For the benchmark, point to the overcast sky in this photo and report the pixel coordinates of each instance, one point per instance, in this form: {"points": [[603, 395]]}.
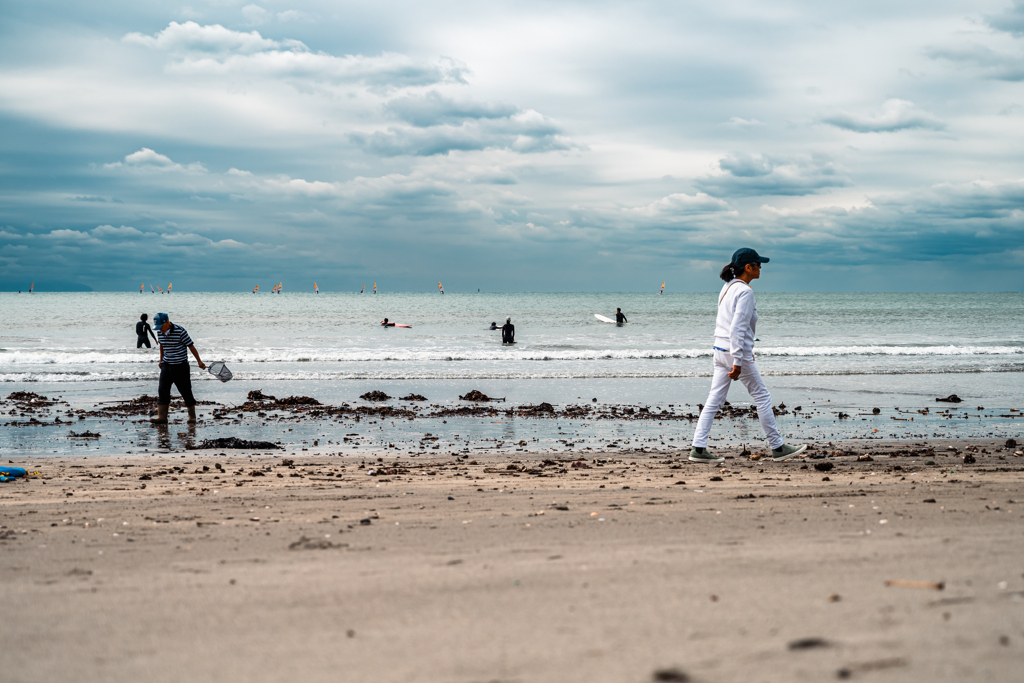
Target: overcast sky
{"points": [[511, 146]]}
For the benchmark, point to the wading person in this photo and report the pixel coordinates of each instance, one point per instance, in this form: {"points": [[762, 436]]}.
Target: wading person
{"points": [[143, 331], [734, 358], [174, 368], [508, 332]]}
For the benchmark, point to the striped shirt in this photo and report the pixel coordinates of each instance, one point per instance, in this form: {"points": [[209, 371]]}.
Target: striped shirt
{"points": [[175, 343]]}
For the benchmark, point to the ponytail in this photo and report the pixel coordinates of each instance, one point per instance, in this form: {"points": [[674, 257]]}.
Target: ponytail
{"points": [[730, 272]]}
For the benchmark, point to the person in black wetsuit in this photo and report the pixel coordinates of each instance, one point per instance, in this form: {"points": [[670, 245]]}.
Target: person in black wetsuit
{"points": [[508, 332], [143, 331], [385, 323], [620, 317]]}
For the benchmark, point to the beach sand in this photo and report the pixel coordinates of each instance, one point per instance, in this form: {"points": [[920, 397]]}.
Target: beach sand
{"points": [[629, 567]]}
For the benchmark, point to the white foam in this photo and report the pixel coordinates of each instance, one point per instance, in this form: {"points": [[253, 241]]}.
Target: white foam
{"points": [[62, 357]]}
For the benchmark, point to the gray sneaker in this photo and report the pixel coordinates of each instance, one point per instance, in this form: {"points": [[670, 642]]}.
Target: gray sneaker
{"points": [[785, 452], [704, 455]]}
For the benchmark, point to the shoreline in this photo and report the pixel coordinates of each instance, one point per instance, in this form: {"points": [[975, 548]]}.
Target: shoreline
{"points": [[38, 426], [449, 570]]}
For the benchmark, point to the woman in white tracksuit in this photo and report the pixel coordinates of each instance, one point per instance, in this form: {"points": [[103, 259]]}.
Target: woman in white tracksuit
{"points": [[734, 358]]}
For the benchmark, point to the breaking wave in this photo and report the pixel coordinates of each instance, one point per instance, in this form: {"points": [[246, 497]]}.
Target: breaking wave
{"points": [[60, 357]]}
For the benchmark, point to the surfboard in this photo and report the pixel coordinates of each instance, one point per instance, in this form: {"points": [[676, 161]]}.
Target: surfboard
{"points": [[604, 319], [391, 324]]}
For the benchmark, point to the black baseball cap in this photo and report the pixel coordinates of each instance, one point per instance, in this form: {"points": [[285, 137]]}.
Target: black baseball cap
{"points": [[746, 255]]}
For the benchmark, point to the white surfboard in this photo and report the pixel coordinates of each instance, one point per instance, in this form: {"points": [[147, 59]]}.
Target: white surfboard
{"points": [[604, 319]]}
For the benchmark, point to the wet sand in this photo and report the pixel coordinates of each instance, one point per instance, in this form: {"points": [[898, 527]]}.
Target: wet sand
{"points": [[628, 566]]}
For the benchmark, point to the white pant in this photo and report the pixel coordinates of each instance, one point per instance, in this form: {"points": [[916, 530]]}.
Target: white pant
{"points": [[751, 379]]}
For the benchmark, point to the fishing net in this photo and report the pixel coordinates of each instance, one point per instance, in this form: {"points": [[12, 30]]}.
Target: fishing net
{"points": [[219, 370]]}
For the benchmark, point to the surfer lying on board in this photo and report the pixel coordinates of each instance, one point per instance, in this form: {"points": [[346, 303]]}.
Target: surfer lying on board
{"points": [[620, 317], [385, 323], [508, 332]]}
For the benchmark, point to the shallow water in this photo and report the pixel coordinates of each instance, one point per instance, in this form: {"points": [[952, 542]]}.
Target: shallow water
{"points": [[845, 352]]}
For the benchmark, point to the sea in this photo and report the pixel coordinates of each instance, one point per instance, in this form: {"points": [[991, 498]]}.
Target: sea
{"points": [[843, 353]]}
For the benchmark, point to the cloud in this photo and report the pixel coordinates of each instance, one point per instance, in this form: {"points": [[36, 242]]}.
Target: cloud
{"points": [[745, 175], [524, 132], [681, 205], [191, 37], [295, 15], [255, 15], [958, 202], [1011, 21], [66, 235], [214, 50], [943, 222], [124, 232], [147, 159], [433, 108], [742, 123], [896, 115], [998, 65], [359, 193]]}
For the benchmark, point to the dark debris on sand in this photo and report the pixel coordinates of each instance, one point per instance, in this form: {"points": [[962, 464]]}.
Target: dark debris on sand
{"points": [[143, 405], [258, 395], [234, 442], [30, 398], [375, 396], [478, 396]]}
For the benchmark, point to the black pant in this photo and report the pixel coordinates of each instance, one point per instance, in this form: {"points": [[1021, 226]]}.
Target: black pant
{"points": [[141, 341], [178, 375]]}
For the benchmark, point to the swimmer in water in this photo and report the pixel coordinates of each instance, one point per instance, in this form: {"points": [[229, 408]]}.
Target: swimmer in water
{"points": [[386, 323], [494, 326]]}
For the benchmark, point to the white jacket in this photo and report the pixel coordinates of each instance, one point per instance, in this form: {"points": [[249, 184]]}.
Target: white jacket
{"points": [[736, 325]]}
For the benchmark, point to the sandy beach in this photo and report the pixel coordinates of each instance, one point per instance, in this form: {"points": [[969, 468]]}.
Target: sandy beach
{"points": [[622, 566]]}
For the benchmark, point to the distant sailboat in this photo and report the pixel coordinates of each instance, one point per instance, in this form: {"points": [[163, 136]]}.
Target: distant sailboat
{"points": [[169, 287], [142, 288], [160, 288], [374, 287], [364, 289], [255, 289], [316, 290], [151, 289], [440, 287], [662, 290], [31, 287], [280, 286]]}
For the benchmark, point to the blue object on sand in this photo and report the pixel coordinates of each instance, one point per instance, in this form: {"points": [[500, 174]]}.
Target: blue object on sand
{"points": [[11, 473]]}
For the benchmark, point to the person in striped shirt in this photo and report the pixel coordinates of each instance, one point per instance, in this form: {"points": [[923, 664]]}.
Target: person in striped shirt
{"points": [[174, 367]]}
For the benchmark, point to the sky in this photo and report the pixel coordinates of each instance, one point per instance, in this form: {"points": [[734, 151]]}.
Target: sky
{"points": [[511, 146]]}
